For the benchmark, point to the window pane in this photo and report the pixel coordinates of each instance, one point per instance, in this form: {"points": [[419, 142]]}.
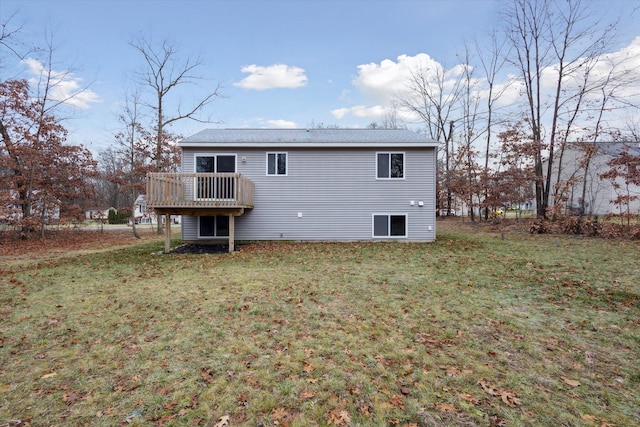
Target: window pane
{"points": [[207, 225], [380, 225], [397, 165], [398, 225], [383, 166], [205, 164], [226, 164], [222, 226], [271, 164], [282, 164]]}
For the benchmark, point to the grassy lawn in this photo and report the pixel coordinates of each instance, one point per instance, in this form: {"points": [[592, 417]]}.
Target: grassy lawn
{"points": [[470, 330]]}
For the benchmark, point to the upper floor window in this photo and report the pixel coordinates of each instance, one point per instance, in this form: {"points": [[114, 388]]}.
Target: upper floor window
{"points": [[390, 165], [276, 163]]}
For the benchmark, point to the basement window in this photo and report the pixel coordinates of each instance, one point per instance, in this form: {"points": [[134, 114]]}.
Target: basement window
{"points": [[386, 225]]}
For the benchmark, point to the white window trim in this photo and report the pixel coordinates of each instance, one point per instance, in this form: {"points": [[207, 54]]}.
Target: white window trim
{"points": [[286, 163], [404, 165], [195, 168], [200, 236], [389, 215], [196, 155]]}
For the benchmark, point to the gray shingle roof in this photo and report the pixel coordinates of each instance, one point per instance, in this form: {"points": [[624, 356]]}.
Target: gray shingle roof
{"points": [[307, 138], [617, 148]]}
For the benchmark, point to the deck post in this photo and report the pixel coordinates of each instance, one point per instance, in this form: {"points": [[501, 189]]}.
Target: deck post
{"points": [[167, 233], [231, 233]]}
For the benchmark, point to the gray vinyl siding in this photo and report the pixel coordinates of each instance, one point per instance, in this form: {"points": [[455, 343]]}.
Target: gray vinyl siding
{"points": [[335, 191]]}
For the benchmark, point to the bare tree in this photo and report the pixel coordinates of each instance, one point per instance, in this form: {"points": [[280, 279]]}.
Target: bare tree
{"points": [[467, 155], [492, 60], [110, 183], [433, 95], [134, 150], [8, 38], [164, 74], [552, 42]]}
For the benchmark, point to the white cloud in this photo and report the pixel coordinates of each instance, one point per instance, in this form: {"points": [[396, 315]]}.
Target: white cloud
{"points": [[281, 124], [64, 86], [382, 82], [261, 122], [360, 111], [272, 77]]}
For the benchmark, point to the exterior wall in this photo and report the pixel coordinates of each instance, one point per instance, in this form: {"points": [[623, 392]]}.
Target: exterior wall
{"points": [[334, 190], [599, 191]]}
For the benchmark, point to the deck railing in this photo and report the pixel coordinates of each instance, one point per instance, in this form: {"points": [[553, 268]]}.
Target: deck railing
{"points": [[199, 190]]}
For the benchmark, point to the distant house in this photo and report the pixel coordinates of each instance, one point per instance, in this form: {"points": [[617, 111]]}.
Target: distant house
{"points": [[97, 214], [142, 213], [43, 207], [299, 184], [599, 191], [145, 215]]}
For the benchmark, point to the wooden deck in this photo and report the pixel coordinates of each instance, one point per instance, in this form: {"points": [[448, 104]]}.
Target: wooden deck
{"points": [[199, 194]]}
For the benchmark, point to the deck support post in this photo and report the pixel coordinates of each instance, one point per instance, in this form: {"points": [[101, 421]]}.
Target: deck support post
{"points": [[167, 233], [232, 220]]}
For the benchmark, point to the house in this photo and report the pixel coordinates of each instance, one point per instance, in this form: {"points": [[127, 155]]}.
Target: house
{"points": [[43, 207], [301, 185], [599, 192], [143, 214], [97, 214]]}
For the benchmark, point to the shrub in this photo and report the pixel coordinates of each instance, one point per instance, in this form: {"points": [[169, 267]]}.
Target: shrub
{"points": [[538, 227], [118, 217]]}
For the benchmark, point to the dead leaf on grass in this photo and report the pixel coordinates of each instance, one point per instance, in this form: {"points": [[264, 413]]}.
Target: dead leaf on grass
{"points": [[339, 417], [206, 374], [397, 401], [364, 408], [469, 397], [223, 421], [306, 395], [169, 406], [488, 388], [279, 414], [107, 411], [445, 407], [71, 398], [510, 398], [453, 371], [572, 383]]}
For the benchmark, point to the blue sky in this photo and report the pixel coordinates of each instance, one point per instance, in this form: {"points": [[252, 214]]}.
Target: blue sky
{"points": [[291, 63]]}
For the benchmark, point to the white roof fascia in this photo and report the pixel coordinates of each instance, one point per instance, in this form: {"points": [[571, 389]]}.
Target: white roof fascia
{"points": [[309, 144]]}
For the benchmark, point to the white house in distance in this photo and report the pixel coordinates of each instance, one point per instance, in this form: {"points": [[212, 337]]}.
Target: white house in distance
{"points": [[599, 191], [301, 185], [144, 215]]}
